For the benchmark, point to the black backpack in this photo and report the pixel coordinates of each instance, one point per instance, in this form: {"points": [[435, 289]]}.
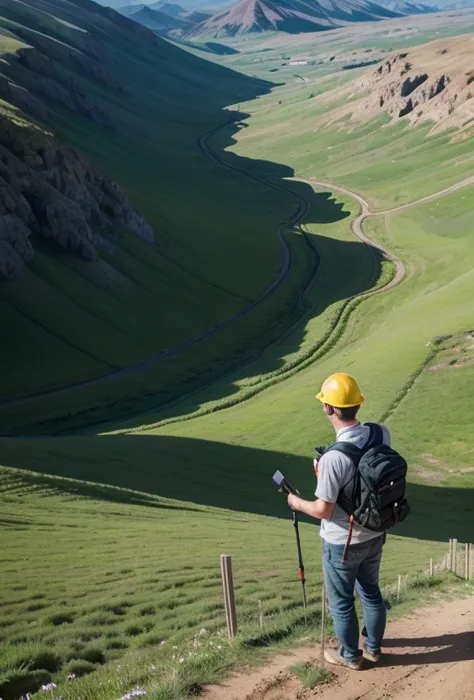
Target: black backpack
{"points": [[375, 496]]}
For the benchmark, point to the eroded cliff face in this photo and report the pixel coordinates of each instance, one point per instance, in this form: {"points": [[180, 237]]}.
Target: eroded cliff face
{"points": [[48, 189], [429, 83]]}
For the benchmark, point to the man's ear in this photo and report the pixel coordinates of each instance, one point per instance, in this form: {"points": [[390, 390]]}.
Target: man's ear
{"points": [[329, 410]]}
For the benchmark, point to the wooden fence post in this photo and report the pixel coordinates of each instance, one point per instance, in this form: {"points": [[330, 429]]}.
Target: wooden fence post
{"points": [[323, 621], [260, 613], [399, 587], [450, 555], [431, 567], [454, 565], [229, 597], [466, 561]]}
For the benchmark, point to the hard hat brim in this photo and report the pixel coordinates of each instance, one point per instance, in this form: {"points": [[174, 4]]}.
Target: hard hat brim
{"points": [[320, 396]]}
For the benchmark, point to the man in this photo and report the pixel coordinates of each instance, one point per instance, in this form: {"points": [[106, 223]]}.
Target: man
{"points": [[348, 560]]}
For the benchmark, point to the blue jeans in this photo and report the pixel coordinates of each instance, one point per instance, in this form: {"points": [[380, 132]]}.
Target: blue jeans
{"points": [[361, 570]]}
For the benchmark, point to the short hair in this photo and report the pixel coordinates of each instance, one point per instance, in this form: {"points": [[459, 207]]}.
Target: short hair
{"points": [[346, 414]]}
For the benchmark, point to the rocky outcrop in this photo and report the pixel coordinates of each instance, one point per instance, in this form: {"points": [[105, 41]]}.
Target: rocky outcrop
{"points": [[429, 83], [410, 84], [91, 58], [22, 98], [48, 189], [52, 70], [407, 108], [48, 79], [15, 246], [438, 86]]}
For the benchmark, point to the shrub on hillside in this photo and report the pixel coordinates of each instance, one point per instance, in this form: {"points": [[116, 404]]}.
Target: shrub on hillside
{"points": [[94, 655], [79, 667], [15, 684]]}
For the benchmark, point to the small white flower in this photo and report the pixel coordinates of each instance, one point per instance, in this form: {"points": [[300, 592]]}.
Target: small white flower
{"points": [[135, 693], [153, 668], [219, 646], [163, 642], [181, 659]]}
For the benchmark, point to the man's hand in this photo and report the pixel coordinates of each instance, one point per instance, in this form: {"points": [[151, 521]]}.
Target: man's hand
{"points": [[293, 501]]}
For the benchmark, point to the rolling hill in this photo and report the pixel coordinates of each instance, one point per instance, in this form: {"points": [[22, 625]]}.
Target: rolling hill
{"points": [[108, 268], [291, 16], [206, 337]]}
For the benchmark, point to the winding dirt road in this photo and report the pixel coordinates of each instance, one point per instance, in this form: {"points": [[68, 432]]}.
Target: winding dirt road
{"points": [[428, 655], [294, 220], [365, 213]]}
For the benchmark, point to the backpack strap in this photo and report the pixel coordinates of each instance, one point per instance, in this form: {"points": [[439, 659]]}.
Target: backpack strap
{"points": [[345, 499], [347, 448], [375, 437]]}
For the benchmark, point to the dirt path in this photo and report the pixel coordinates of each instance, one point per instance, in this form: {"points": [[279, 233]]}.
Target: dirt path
{"points": [[365, 213], [299, 216], [428, 655]]}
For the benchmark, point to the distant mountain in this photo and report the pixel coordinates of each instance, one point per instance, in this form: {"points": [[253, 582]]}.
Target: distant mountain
{"points": [[442, 5], [292, 16], [195, 16], [207, 6], [128, 10], [117, 4], [157, 21], [404, 7], [168, 8]]}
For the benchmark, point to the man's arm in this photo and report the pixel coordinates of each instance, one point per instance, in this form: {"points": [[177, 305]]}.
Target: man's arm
{"points": [[331, 477], [316, 509]]}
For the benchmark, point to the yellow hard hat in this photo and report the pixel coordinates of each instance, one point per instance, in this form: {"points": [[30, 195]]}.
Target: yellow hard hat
{"points": [[341, 391]]}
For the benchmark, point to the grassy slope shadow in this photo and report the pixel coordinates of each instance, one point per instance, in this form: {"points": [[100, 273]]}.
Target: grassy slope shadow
{"points": [[358, 267], [214, 474], [195, 358]]}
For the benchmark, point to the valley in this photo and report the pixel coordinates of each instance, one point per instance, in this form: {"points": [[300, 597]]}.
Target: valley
{"points": [[161, 359]]}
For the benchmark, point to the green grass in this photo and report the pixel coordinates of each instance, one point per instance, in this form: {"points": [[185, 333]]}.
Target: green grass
{"points": [[137, 300], [10, 44], [433, 300], [392, 165], [89, 587], [111, 542], [310, 674]]}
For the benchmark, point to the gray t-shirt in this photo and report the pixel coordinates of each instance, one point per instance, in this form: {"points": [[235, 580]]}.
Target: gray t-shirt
{"points": [[334, 471]]}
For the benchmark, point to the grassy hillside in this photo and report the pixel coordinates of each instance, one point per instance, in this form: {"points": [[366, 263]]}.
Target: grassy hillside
{"points": [[111, 537], [67, 321], [91, 590], [112, 564], [391, 163], [387, 342]]}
